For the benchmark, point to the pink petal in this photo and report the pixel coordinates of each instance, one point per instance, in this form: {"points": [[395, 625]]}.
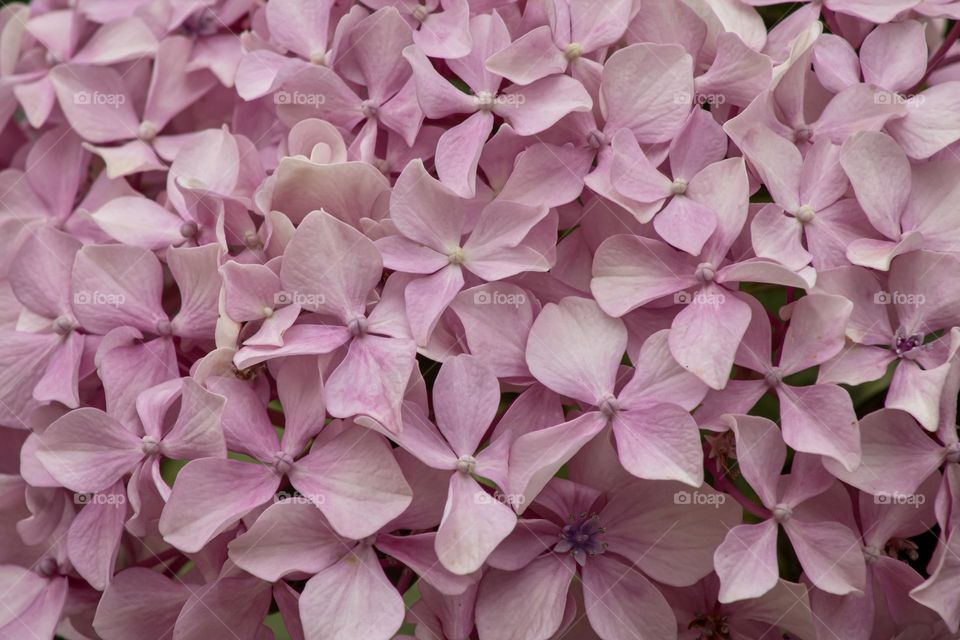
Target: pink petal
{"points": [[473, 525], [209, 496], [87, 450], [575, 349], [351, 599], [747, 561], [354, 480]]}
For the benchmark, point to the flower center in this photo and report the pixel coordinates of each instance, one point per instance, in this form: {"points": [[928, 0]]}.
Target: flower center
{"points": [[252, 241], [953, 453], [189, 229], [609, 406], [573, 51], [485, 101], [63, 325], [456, 256], [782, 513], [773, 377], [466, 464], [147, 131], [582, 538], [805, 214], [164, 328], [711, 626], [802, 135], [318, 58], [420, 12], [369, 109], [149, 445], [902, 549], [358, 326], [282, 462], [705, 272], [48, 567], [679, 187], [903, 344], [596, 139]]}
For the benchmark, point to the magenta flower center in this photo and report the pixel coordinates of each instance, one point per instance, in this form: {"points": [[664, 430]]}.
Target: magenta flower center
{"points": [[805, 214], [904, 344], [679, 187], [711, 626], [582, 538]]}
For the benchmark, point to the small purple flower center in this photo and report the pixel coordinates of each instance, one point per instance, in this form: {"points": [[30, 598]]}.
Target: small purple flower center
{"points": [[582, 538], [902, 549], [903, 344], [679, 187], [711, 626], [573, 51]]}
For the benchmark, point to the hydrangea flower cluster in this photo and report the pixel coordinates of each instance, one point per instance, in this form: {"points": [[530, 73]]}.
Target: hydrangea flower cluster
{"points": [[479, 320]]}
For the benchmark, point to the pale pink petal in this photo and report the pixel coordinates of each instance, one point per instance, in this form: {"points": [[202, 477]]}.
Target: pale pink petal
{"points": [[473, 525], [351, 599]]}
